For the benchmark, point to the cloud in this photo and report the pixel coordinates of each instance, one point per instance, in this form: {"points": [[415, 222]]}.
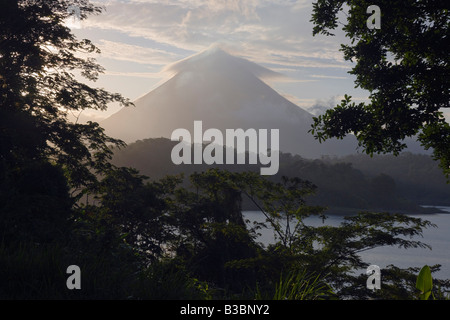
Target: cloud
{"points": [[301, 102], [274, 32], [321, 106], [134, 53], [321, 76], [84, 116], [446, 114], [221, 58], [146, 75]]}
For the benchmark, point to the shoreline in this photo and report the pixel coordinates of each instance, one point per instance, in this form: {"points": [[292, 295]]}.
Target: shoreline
{"points": [[346, 211]]}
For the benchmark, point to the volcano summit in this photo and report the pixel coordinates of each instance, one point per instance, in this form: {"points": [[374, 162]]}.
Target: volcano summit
{"points": [[224, 92]]}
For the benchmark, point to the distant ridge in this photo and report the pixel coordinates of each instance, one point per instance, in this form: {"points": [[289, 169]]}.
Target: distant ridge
{"points": [[382, 183]]}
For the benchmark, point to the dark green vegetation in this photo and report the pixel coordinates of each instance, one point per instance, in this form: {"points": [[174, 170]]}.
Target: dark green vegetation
{"points": [[383, 182], [405, 67], [162, 241], [62, 201]]}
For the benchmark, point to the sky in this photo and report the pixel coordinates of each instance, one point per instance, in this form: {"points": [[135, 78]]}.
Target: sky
{"points": [[139, 39]]}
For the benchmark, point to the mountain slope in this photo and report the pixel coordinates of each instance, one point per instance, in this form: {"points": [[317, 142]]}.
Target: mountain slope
{"points": [[225, 92]]}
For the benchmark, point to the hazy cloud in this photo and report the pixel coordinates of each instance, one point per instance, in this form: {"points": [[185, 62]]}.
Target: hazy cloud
{"points": [[321, 106], [274, 32], [322, 76], [134, 53]]}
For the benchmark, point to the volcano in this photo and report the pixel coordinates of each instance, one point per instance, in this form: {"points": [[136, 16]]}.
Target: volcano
{"points": [[224, 92]]}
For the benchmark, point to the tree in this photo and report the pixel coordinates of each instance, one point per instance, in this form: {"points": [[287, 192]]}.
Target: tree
{"points": [[135, 209], [212, 236], [46, 161], [283, 205], [35, 204], [39, 56], [337, 248], [405, 67]]}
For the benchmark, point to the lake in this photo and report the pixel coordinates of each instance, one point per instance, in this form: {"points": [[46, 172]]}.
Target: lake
{"points": [[438, 238]]}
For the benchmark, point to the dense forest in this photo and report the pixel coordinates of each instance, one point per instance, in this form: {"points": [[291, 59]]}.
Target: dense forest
{"points": [[159, 240], [381, 182], [417, 176]]}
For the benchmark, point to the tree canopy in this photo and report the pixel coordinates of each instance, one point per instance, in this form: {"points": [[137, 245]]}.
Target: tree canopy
{"points": [[39, 60], [405, 67]]}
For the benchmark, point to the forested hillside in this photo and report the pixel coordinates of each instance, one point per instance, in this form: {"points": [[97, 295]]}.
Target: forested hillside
{"points": [[358, 182], [417, 175]]}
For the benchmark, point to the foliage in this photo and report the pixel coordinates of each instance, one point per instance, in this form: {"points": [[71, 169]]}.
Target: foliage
{"points": [[35, 203], [211, 250], [427, 287], [212, 232], [333, 250], [169, 280], [300, 286], [38, 271], [47, 162], [340, 182], [405, 68], [137, 210], [416, 176], [396, 284], [38, 59], [424, 283]]}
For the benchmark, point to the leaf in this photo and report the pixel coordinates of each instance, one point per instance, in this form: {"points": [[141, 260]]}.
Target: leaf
{"points": [[424, 283]]}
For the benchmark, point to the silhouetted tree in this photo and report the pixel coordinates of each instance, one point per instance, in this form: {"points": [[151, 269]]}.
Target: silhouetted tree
{"points": [[46, 161], [38, 90], [405, 67]]}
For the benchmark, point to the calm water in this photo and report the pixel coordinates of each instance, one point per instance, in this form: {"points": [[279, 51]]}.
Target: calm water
{"points": [[438, 238]]}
